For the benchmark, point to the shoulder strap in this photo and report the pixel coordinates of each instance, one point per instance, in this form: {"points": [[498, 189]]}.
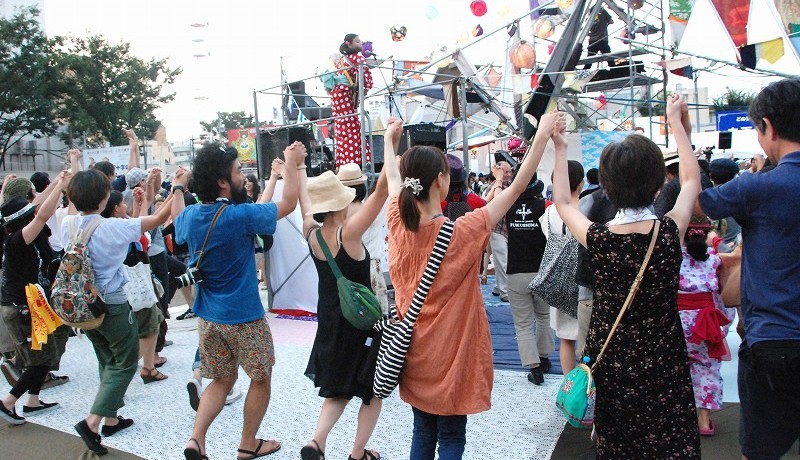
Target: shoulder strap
{"points": [[435, 259], [208, 234], [632, 293], [328, 257], [81, 235]]}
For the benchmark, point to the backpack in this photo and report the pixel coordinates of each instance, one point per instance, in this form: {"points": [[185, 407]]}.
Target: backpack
{"points": [[75, 297], [457, 208]]}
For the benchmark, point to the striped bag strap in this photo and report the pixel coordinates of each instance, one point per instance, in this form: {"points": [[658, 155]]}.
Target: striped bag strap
{"points": [[437, 254]]}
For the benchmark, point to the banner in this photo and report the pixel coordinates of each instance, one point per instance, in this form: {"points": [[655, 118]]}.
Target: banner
{"points": [[679, 12], [770, 51], [244, 141], [735, 15], [118, 156], [789, 12]]}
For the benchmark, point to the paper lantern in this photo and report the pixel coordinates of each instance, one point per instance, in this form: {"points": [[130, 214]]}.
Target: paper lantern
{"points": [[635, 4], [566, 4], [522, 55], [544, 27], [431, 12], [477, 31], [398, 33], [478, 7], [504, 10]]}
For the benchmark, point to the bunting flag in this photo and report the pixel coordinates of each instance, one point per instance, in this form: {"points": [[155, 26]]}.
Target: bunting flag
{"points": [[735, 15], [681, 67], [789, 12], [679, 12], [769, 51]]}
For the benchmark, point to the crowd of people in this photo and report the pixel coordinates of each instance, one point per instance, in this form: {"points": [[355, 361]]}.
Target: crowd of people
{"points": [[208, 229]]}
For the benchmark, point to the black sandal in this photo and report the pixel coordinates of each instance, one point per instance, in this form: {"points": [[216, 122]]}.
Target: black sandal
{"points": [[368, 455], [194, 454], [310, 452]]}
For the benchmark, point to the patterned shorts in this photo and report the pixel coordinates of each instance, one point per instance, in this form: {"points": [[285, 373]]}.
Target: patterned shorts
{"points": [[223, 347]]}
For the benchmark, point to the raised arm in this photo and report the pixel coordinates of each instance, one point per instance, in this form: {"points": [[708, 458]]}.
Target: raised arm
{"points": [[179, 182], [689, 170], [42, 197], [502, 201], [140, 206], [269, 185], [74, 156], [305, 203], [391, 141], [357, 224], [133, 143], [161, 216], [578, 223], [295, 155], [30, 231], [153, 183]]}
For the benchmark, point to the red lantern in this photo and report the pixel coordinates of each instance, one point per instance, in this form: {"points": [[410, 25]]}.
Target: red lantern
{"points": [[522, 55], [478, 7]]}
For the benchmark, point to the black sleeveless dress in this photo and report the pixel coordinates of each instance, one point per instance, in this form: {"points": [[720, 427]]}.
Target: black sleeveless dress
{"points": [[342, 361], [645, 402]]}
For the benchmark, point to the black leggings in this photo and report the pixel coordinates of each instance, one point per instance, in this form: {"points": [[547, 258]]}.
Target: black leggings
{"points": [[30, 381]]}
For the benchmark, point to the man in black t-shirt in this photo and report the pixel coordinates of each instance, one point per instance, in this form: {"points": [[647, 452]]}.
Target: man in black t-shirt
{"points": [[526, 244], [598, 35]]}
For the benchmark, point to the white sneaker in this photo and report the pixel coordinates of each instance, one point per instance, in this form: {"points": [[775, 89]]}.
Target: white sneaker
{"points": [[233, 396], [195, 389]]}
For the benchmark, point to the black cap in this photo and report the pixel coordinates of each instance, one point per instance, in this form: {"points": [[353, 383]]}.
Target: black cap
{"points": [[723, 166], [16, 208]]}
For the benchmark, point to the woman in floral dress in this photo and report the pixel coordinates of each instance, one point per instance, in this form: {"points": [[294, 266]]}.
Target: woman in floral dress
{"points": [[344, 101]]}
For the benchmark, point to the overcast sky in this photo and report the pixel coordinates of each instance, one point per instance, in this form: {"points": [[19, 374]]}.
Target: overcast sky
{"points": [[244, 42]]}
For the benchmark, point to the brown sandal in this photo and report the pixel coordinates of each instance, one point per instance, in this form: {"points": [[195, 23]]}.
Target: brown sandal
{"points": [[153, 375]]}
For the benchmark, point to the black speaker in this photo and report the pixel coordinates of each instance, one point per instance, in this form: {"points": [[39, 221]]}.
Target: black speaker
{"points": [[423, 134], [725, 140], [272, 143]]}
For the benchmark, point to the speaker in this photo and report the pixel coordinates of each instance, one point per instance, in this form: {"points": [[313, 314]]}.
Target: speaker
{"points": [[423, 134], [272, 143], [725, 140]]}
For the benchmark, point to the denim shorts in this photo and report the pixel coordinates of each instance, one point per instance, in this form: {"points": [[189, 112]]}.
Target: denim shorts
{"points": [[769, 378]]}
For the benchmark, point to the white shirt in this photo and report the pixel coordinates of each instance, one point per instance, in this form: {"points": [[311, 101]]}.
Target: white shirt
{"points": [[54, 222]]}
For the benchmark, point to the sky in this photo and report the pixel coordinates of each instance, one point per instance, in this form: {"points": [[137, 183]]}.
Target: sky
{"points": [[243, 44]]}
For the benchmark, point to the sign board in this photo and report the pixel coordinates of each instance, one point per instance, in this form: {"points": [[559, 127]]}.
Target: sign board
{"points": [[118, 156], [727, 121]]}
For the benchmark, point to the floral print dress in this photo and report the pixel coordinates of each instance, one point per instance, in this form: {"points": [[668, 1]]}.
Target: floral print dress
{"points": [[347, 130], [701, 276], [645, 405]]}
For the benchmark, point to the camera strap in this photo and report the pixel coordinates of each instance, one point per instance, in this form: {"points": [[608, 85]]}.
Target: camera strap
{"points": [[208, 235]]}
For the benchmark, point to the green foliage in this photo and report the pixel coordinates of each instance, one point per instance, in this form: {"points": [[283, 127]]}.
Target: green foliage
{"points": [[653, 108], [28, 80], [733, 99], [107, 89], [227, 120]]}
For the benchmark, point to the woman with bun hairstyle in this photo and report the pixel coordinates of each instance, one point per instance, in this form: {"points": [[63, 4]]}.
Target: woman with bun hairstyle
{"points": [[344, 101], [448, 371]]}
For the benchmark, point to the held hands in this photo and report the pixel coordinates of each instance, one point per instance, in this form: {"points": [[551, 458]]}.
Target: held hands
{"points": [[394, 131], [181, 177], [678, 112], [138, 195], [757, 163], [551, 123], [278, 167], [295, 154], [74, 155], [131, 135], [8, 178], [63, 178]]}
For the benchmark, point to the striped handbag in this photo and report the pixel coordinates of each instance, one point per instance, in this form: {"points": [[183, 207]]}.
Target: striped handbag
{"points": [[396, 337]]}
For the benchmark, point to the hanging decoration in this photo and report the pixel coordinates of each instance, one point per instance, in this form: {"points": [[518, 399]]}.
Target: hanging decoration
{"points": [[522, 55], [477, 31], [601, 102], [534, 80], [679, 13], [636, 4], [544, 27], [478, 7], [398, 33], [504, 10], [734, 15], [431, 12]]}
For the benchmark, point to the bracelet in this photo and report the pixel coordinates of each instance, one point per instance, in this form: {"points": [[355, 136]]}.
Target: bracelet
{"points": [[301, 167], [178, 187]]}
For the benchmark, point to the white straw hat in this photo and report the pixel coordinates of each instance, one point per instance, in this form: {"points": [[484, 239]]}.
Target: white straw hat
{"points": [[350, 174], [328, 194]]}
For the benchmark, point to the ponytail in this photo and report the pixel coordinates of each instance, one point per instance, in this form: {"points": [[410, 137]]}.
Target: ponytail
{"points": [[423, 163], [409, 213]]}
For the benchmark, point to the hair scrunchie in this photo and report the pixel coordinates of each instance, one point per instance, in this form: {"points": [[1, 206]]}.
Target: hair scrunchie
{"points": [[413, 184]]}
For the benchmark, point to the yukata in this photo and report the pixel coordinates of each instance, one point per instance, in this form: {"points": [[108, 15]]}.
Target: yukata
{"points": [[347, 130], [705, 335]]}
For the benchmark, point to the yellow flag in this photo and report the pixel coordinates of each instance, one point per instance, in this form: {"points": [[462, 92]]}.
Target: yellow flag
{"points": [[43, 320]]}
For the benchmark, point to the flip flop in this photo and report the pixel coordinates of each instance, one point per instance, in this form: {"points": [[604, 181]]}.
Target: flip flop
{"points": [[194, 454], [310, 452], [710, 431], [254, 453]]}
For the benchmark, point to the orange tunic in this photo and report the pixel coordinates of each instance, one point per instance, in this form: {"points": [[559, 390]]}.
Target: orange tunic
{"points": [[448, 369]]}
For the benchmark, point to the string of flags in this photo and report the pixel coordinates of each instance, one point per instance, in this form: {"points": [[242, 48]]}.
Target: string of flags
{"points": [[770, 51]]}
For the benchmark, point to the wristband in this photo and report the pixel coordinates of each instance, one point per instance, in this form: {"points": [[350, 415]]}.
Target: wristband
{"points": [[178, 187]]}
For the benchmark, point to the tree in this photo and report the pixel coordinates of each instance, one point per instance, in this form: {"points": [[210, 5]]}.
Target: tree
{"points": [[28, 80], [733, 99], [108, 89], [226, 120]]}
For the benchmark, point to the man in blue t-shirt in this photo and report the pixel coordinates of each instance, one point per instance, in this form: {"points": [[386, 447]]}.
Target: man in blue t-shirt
{"points": [[767, 207], [233, 329]]}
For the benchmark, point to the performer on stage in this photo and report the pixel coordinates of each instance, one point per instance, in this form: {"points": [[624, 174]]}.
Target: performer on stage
{"points": [[344, 101]]}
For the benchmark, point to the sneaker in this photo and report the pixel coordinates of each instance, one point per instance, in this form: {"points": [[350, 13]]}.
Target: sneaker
{"points": [[504, 298], [495, 291], [168, 343], [90, 438], [42, 407], [10, 416], [10, 372], [53, 380], [123, 423], [233, 396], [536, 376], [188, 314], [545, 365], [195, 389]]}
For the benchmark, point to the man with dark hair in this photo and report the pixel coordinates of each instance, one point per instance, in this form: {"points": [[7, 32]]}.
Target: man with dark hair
{"points": [[40, 181], [106, 168], [233, 329], [768, 209], [593, 179]]}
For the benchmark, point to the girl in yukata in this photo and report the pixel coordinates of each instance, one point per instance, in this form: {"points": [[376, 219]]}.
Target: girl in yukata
{"points": [[344, 101], [704, 319]]}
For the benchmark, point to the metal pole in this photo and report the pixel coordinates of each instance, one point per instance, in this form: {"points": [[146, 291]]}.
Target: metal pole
{"points": [[258, 135], [465, 141], [696, 101], [362, 114], [191, 149]]}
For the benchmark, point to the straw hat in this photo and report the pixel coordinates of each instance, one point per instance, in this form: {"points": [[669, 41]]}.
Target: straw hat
{"points": [[350, 174], [16, 208], [328, 194], [671, 156]]}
